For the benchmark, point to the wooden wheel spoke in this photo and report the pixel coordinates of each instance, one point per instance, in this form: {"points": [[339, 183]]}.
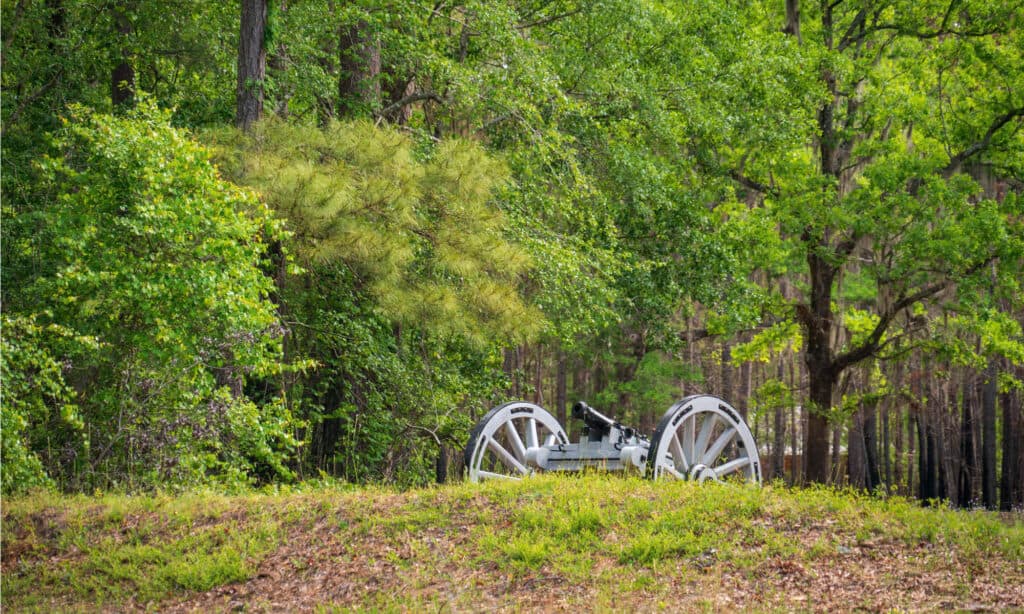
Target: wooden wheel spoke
{"points": [[531, 433], [673, 472], [518, 449], [506, 457], [701, 445], [716, 448], [731, 466], [678, 456], [689, 428]]}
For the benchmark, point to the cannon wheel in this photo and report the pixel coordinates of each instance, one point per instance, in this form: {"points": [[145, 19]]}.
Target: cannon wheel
{"points": [[500, 444], [703, 438]]}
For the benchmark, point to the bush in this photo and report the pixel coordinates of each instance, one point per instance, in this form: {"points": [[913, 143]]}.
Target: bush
{"points": [[159, 261]]}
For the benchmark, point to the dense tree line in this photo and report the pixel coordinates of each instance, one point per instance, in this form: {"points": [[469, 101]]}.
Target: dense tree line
{"points": [[269, 240]]}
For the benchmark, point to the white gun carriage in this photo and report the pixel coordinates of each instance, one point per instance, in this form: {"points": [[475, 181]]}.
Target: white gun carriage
{"points": [[699, 438]]}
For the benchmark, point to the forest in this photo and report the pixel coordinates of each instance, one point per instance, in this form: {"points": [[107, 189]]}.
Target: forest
{"points": [[270, 241]]}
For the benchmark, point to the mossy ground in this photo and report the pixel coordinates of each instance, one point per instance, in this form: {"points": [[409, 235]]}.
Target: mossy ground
{"points": [[596, 543]]}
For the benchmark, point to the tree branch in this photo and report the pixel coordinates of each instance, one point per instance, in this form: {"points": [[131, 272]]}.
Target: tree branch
{"points": [[874, 341], [848, 36], [751, 184], [543, 21], [407, 100], [922, 35], [978, 146]]}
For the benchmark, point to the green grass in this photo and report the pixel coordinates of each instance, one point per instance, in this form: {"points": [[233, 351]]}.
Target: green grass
{"points": [[457, 546]]}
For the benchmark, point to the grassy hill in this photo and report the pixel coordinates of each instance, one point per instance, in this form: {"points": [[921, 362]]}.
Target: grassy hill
{"points": [[551, 543]]}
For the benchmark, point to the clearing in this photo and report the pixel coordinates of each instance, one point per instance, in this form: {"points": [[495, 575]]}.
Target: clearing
{"points": [[591, 543]]}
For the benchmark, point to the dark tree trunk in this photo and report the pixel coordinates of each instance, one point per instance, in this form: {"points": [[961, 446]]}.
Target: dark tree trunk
{"points": [[856, 452], [359, 77], [817, 318], [923, 469], [252, 63], [122, 77], [727, 384], [871, 445], [441, 465], [886, 463], [898, 451], [511, 367], [561, 399], [815, 457], [56, 25], [930, 476], [538, 375], [1010, 484], [988, 439], [278, 63], [927, 457], [779, 456], [746, 375], [968, 470], [796, 460], [793, 19], [912, 445]]}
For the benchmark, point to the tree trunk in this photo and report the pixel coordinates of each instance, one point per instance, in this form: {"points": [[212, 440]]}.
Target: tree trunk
{"points": [[538, 375], [912, 446], [746, 377], [817, 319], [968, 470], [1010, 484], [922, 457], [779, 452], [933, 462], [793, 19], [359, 77], [855, 451], [988, 439], [795, 469], [886, 463], [278, 63], [560, 397], [816, 465], [441, 465], [898, 452], [727, 391], [870, 430], [252, 63], [122, 77]]}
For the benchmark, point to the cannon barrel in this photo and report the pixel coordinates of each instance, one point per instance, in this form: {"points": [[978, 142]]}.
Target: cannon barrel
{"points": [[598, 424], [586, 413]]}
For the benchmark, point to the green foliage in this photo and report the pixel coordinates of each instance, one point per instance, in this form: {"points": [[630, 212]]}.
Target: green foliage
{"points": [[158, 260], [421, 235], [653, 387], [776, 339], [589, 176], [41, 427], [771, 395]]}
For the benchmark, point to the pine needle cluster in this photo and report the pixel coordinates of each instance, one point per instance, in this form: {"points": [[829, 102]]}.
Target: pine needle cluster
{"points": [[420, 232]]}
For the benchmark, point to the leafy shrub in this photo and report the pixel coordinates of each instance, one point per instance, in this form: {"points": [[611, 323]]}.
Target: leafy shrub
{"points": [[159, 260]]}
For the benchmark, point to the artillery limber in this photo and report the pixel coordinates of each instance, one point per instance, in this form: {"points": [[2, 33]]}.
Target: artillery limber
{"points": [[699, 438]]}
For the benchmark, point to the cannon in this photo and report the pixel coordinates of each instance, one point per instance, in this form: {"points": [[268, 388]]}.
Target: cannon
{"points": [[699, 438]]}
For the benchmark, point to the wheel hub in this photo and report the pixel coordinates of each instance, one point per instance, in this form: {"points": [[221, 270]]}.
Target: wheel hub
{"points": [[701, 473]]}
